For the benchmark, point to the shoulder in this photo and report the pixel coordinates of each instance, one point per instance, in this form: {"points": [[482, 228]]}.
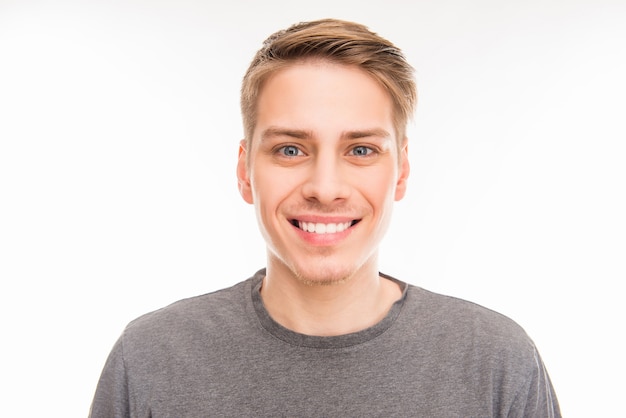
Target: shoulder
{"points": [[485, 355], [189, 318], [456, 312], [468, 326]]}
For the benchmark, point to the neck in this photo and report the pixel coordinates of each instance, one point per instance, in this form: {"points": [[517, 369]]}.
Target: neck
{"points": [[328, 309]]}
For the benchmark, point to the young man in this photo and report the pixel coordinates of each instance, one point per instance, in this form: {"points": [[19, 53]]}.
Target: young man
{"points": [[320, 332]]}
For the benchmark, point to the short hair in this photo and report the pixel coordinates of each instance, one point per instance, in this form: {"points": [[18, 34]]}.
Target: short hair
{"points": [[337, 41]]}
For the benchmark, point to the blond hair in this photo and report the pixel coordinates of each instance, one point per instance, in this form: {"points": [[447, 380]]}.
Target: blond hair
{"points": [[339, 42]]}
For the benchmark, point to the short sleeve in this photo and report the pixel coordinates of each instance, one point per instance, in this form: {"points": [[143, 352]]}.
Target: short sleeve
{"points": [[537, 397], [111, 397]]}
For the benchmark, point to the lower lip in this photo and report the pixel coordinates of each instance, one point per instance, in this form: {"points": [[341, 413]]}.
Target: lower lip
{"points": [[323, 239]]}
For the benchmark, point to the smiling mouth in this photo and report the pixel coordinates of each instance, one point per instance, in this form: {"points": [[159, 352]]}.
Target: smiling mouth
{"points": [[322, 228]]}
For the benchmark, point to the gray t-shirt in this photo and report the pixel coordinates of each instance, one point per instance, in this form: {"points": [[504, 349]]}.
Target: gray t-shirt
{"points": [[222, 355]]}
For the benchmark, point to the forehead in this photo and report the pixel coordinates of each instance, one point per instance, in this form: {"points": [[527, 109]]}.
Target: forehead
{"points": [[319, 95]]}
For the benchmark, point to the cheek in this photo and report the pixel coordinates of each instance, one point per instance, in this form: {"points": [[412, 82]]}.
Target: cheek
{"points": [[380, 187], [270, 187]]}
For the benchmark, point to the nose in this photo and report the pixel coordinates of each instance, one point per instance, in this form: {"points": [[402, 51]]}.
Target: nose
{"points": [[327, 181]]}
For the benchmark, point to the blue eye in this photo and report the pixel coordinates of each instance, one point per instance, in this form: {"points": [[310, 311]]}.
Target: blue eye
{"points": [[361, 151], [290, 151]]}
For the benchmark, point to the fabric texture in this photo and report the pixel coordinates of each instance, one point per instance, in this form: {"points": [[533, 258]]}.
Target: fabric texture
{"points": [[222, 355]]}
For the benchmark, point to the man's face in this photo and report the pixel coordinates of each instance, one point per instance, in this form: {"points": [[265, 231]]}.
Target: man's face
{"points": [[324, 170]]}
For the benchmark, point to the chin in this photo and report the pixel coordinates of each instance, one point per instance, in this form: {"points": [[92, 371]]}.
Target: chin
{"points": [[324, 276]]}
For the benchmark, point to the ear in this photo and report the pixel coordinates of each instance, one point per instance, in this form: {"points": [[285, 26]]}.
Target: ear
{"points": [[243, 177], [403, 173]]}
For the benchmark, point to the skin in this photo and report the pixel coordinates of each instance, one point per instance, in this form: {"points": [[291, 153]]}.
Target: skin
{"points": [[324, 153]]}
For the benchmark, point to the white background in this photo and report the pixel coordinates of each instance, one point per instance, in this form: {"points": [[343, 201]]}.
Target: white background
{"points": [[119, 126]]}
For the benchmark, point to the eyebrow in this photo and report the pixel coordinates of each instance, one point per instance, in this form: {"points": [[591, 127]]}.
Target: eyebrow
{"points": [[305, 134], [293, 133], [367, 133]]}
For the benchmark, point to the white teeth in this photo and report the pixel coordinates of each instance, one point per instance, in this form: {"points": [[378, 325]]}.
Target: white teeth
{"points": [[320, 228]]}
